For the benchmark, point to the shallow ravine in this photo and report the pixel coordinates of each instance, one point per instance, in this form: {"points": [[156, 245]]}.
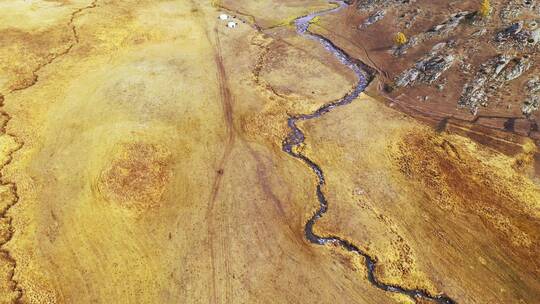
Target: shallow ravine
{"points": [[14, 287], [296, 138]]}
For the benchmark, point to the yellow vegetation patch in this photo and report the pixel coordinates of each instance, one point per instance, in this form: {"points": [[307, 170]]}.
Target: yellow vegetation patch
{"points": [[485, 8], [400, 39], [457, 175], [421, 202], [136, 176]]}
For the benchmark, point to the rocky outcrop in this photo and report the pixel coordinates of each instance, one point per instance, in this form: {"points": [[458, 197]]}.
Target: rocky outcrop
{"points": [[377, 4], [530, 105], [491, 76], [532, 102], [440, 30], [513, 32], [372, 19], [535, 37], [484, 61], [513, 9], [449, 25], [521, 66], [429, 68], [474, 92]]}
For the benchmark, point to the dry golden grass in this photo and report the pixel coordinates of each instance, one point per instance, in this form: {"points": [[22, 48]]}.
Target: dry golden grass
{"points": [[439, 211], [485, 8], [400, 39], [143, 177], [144, 165]]}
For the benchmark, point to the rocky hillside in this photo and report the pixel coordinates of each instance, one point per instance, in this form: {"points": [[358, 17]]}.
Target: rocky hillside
{"points": [[459, 68]]}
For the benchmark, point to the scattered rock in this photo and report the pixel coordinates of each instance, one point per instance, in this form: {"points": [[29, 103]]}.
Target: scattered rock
{"points": [[449, 25], [508, 32], [465, 67], [428, 69], [491, 76], [532, 102], [474, 93], [520, 67], [440, 30], [402, 49], [511, 32], [376, 4], [533, 24], [408, 77], [534, 37], [515, 8], [440, 87], [501, 63], [479, 33], [530, 105], [374, 18], [533, 85], [433, 67]]}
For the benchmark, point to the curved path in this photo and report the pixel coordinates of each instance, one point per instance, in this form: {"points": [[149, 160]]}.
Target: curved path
{"points": [[296, 137]]}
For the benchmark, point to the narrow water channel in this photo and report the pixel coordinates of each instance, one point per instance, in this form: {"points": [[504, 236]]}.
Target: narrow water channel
{"points": [[296, 137]]}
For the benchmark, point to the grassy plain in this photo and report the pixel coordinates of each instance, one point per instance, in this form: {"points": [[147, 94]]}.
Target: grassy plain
{"points": [[142, 163]]}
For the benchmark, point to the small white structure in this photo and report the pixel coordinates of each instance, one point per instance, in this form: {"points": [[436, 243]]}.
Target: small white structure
{"points": [[223, 17], [232, 24]]}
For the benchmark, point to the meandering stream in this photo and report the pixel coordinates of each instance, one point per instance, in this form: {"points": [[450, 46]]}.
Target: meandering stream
{"points": [[296, 137]]}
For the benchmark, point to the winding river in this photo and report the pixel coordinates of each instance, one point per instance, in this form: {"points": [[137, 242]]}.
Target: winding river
{"points": [[296, 137]]}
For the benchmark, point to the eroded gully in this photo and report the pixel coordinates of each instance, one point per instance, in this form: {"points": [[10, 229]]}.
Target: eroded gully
{"points": [[296, 137]]}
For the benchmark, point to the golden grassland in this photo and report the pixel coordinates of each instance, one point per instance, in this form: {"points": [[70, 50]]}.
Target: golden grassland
{"points": [[142, 163], [439, 211]]}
